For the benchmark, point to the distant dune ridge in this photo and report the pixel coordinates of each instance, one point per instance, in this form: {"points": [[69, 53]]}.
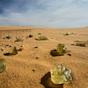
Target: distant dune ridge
{"points": [[14, 27], [31, 27], [32, 59]]}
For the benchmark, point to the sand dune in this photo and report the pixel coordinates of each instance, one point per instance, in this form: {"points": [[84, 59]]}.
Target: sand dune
{"points": [[25, 69]]}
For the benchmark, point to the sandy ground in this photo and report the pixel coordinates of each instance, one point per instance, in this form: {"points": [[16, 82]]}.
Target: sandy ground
{"points": [[26, 69]]}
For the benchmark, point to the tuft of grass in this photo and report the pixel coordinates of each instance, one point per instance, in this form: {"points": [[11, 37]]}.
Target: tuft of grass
{"points": [[2, 65], [41, 38], [18, 39], [14, 52], [39, 33], [81, 43], [66, 34], [20, 49], [7, 37], [2, 49], [59, 51]]}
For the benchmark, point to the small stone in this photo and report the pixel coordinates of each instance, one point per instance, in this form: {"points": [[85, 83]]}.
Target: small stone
{"points": [[37, 57], [30, 36], [35, 47], [33, 70], [69, 54]]}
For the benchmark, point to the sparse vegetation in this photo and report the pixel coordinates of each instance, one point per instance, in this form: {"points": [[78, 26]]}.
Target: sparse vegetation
{"points": [[60, 51], [2, 65], [68, 33], [41, 38], [13, 52], [30, 64], [18, 39], [81, 43], [7, 37], [1, 49], [20, 49], [39, 33]]}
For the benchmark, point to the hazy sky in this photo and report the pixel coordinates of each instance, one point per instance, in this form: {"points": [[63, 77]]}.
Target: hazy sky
{"points": [[51, 13]]}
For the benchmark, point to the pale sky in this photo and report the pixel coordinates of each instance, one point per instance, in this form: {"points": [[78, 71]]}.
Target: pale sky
{"points": [[44, 13]]}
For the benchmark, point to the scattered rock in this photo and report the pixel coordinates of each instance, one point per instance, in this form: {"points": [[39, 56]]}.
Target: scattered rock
{"points": [[35, 47], [33, 70], [37, 57], [30, 36], [69, 54]]}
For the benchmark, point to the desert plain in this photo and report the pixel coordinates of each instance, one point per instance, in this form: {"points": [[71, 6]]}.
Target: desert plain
{"points": [[33, 60]]}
